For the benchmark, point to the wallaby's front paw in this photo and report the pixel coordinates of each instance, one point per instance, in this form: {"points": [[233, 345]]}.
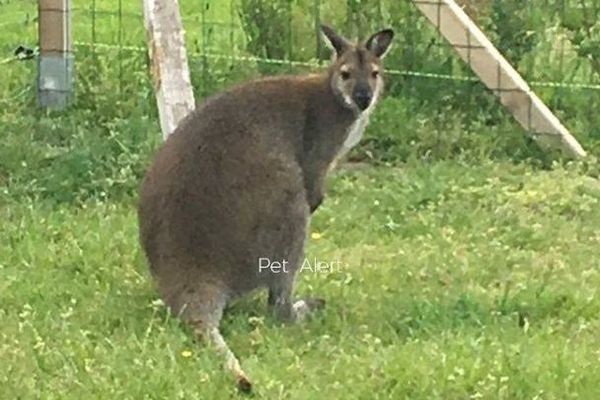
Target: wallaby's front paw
{"points": [[304, 307], [315, 303]]}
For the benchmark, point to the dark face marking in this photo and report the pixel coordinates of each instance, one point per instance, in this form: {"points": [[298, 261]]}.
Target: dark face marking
{"points": [[360, 54]]}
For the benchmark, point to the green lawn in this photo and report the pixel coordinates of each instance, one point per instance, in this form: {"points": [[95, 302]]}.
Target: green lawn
{"points": [[456, 282]]}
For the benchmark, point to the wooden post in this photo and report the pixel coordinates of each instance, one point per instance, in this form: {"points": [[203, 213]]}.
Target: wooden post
{"points": [[169, 64], [498, 75], [55, 63]]}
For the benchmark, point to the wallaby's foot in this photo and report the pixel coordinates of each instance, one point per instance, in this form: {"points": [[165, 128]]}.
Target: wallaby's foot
{"points": [[244, 385], [206, 328], [287, 311], [304, 307], [231, 362]]}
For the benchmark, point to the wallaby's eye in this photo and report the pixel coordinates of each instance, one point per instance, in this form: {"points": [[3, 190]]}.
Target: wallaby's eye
{"points": [[345, 75], [375, 74]]}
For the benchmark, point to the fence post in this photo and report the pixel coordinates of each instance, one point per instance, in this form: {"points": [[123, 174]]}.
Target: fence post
{"points": [[56, 61], [168, 62], [498, 75]]}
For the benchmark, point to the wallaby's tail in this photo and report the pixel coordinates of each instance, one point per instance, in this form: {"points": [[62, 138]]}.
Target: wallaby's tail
{"points": [[231, 362]]}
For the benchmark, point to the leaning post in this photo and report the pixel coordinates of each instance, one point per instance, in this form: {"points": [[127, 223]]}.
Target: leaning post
{"points": [[498, 75]]}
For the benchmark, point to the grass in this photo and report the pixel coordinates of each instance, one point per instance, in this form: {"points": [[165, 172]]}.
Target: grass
{"points": [[469, 259], [456, 282]]}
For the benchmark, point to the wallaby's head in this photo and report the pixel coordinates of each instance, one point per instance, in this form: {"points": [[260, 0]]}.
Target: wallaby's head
{"points": [[356, 73]]}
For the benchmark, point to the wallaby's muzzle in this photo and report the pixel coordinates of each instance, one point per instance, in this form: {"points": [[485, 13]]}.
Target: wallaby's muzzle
{"points": [[362, 98]]}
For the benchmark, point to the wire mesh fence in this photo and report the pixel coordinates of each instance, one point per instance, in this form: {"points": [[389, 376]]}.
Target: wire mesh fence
{"points": [[554, 44]]}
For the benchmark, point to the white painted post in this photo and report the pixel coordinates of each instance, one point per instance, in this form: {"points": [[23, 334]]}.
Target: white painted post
{"points": [[498, 75], [168, 62], [55, 63]]}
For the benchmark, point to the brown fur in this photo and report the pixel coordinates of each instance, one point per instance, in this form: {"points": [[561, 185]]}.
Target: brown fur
{"points": [[238, 181]]}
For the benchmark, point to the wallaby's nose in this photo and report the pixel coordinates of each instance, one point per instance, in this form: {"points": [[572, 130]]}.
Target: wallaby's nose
{"points": [[362, 98]]}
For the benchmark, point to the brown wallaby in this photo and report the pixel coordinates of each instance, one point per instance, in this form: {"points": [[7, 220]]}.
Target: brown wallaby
{"points": [[237, 181]]}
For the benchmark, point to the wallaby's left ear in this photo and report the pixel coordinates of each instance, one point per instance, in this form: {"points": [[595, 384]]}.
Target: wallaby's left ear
{"points": [[380, 42], [339, 43]]}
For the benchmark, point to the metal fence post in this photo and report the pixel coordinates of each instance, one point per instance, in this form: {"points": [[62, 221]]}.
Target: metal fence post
{"points": [[56, 61]]}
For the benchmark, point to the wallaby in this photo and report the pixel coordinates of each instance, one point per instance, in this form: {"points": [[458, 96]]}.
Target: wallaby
{"points": [[238, 180]]}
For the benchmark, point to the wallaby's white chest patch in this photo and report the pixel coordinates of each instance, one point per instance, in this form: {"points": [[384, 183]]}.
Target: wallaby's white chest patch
{"points": [[355, 133]]}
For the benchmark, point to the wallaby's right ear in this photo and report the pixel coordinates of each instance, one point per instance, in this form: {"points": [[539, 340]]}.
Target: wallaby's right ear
{"points": [[336, 41]]}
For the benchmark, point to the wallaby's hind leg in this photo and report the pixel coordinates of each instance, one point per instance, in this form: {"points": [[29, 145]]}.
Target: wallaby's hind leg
{"points": [[203, 308], [280, 299], [213, 335]]}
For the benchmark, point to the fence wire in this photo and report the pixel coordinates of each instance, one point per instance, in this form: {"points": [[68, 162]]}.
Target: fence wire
{"points": [[554, 44], [263, 31]]}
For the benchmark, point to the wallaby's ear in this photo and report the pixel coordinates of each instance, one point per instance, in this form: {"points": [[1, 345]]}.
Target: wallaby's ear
{"points": [[336, 41], [380, 42]]}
